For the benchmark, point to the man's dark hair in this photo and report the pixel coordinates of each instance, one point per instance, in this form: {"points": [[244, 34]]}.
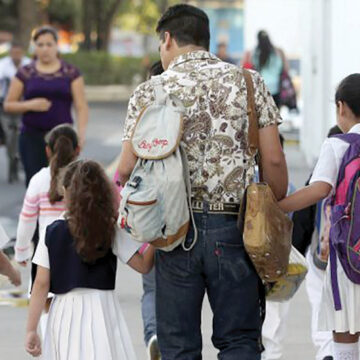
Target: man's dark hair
{"points": [[187, 24]]}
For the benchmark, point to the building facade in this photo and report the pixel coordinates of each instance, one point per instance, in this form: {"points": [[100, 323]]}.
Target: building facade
{"points": [[324, 35]]}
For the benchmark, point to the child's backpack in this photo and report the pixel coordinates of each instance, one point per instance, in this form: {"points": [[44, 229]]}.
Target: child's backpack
{"points": [[320, 242], [345, 218], [155, 200]]}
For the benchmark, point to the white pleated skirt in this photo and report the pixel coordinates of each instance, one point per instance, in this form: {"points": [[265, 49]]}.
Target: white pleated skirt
{"points": [[87, 324], [348, 318]]}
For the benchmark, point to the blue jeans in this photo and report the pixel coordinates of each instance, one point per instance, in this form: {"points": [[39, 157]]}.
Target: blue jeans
{"points": [[219, 265], [148, 305], [33, 154]]}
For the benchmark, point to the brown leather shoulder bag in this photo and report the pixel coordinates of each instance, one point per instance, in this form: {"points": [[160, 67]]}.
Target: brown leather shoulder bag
{"points": [[267, 230]]}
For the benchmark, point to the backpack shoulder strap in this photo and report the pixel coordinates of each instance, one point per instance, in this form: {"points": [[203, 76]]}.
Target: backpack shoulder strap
{"points": [[160, 94], [352, 153], [350, 138], [253, 129]]}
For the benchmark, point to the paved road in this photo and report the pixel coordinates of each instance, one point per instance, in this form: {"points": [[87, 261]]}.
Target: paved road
{"points": [[103, 144]]}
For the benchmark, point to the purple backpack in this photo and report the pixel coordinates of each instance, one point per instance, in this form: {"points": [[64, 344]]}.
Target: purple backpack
{"points": [[345, 217]]}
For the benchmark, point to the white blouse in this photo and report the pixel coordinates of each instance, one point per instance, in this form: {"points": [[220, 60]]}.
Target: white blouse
{"points": [[124, 248], [331, 155]]}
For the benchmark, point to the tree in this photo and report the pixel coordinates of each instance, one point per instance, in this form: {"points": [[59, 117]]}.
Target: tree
{"points": [[27, 16], [140, 16], [8, 11], [20, 17], [94, 18], [65, 13], [87, 16], [98, 16], [162, 5], [106, 11]]}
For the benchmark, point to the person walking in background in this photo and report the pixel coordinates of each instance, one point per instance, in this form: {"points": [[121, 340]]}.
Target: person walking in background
{"points": [[43, 93], [215, 137], [77, 260], [340, 299], [269, 61], [43, 203], [10, 123], [222, 53]]}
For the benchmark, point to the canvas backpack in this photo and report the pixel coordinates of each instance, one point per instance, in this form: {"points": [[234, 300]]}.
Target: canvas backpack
{"points": [[345, 219], [155, 200]]}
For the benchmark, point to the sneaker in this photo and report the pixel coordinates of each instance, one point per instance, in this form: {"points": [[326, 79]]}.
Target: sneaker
{"points": [[153, 349]]}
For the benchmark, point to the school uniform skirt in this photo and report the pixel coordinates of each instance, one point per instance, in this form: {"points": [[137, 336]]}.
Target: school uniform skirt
{"points": [[348, 318], [87, 324]]}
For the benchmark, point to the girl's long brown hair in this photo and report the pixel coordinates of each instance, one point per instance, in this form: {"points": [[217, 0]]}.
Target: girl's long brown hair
{"points": [[91, 209], [63, 143]]}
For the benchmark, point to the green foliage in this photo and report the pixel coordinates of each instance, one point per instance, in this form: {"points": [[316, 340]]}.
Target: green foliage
{"points": [[138, 15], [64, 12], [8, 15], [100, 68]]}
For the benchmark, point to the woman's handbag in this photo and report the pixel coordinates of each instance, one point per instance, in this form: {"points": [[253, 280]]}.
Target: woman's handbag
{"points": [[287, 91], [267, 230]]}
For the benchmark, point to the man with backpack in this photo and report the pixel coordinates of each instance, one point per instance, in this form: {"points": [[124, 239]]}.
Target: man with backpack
{"points": [[215, 141]]}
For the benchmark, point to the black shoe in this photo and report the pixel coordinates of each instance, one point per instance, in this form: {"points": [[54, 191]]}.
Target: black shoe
{"points": [[328, 358]]}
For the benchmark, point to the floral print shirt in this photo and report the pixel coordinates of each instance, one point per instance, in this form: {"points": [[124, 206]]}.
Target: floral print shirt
{"points": [[215, 133]]}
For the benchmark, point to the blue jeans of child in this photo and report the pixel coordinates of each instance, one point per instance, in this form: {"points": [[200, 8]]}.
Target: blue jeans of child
{"points": [[148, 305], [218, 265]]}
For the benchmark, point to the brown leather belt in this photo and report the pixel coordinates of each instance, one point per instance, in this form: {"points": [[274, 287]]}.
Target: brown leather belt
{"points": [[199, 206]]}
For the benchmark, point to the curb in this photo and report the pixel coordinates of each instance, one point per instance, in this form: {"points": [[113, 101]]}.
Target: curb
{"points": [[14, 297]]}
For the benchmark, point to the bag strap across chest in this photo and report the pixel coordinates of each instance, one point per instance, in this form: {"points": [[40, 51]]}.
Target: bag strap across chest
{"points": [[253, 129], [349, 167]]}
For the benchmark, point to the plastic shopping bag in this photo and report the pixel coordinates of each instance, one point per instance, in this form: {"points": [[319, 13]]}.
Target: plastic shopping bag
{"points": [[286, 287]]}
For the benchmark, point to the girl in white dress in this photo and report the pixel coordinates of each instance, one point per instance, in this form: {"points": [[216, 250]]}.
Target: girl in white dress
{"points": [[77, 262], [344, 323]]}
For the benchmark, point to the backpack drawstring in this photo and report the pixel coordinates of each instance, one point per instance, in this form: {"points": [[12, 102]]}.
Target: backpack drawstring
{"points": [[188, 191]]}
